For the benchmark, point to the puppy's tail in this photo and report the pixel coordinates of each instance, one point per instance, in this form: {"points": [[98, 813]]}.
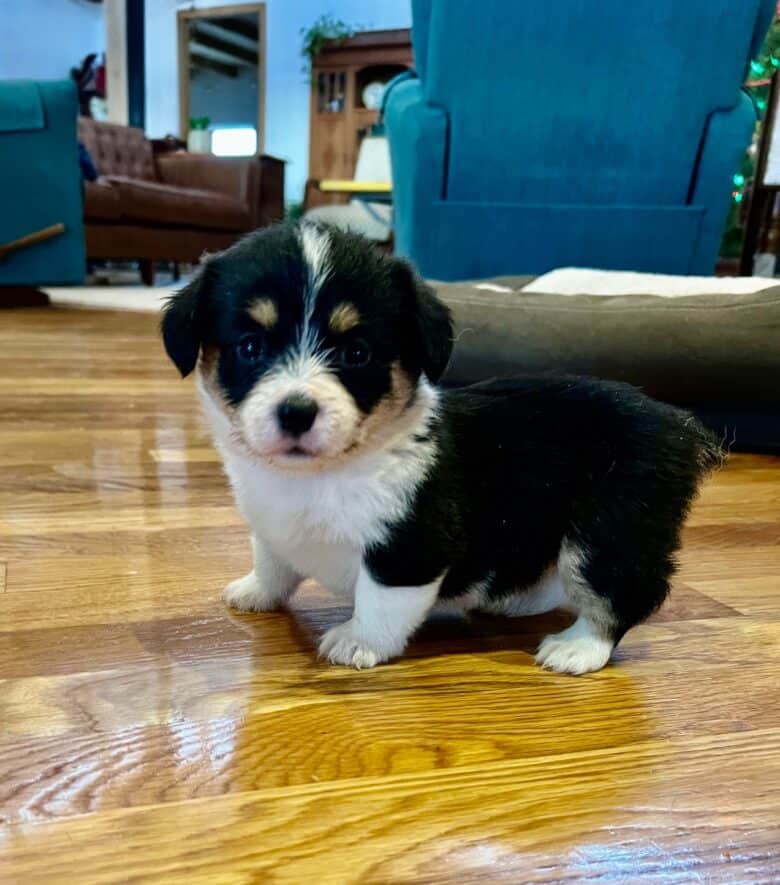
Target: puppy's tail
{"points": [[711, 453]]}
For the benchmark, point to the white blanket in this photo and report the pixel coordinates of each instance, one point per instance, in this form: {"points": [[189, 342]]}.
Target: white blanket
{"points": [[582, 281]]}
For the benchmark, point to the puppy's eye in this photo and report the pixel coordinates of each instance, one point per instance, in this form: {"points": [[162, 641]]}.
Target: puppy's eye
{"points": [[249, 348], [355, 355]]}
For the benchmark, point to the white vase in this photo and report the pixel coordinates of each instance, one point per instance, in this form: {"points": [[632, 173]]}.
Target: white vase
{"points": [[199, 141]]}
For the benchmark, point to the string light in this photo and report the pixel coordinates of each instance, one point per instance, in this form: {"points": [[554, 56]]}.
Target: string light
{"points": [[765, 66]]}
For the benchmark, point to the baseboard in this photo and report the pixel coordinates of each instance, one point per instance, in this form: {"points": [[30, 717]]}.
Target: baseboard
{"points": [[22, 296]]}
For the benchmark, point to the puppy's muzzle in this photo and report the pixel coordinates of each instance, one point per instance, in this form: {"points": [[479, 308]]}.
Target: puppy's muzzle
{"points": [[296, 414]]}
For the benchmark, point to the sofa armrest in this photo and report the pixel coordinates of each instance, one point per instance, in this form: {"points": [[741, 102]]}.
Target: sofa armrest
{"points": [[258, 182], [269, 190], [223, 175]]}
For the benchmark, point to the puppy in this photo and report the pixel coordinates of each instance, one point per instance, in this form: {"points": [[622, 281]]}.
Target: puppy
{"points": [[317, 360]]}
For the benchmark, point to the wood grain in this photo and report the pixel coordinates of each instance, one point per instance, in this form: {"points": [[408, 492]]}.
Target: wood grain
{"points": [[148, 735]]}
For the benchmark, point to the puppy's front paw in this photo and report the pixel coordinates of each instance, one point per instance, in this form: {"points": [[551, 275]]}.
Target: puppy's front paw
{"points": [[575, 654], [341, 645], [247, 595]]}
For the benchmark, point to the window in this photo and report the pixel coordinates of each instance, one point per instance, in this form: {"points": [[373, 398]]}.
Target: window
{"points": [[234, 141]]}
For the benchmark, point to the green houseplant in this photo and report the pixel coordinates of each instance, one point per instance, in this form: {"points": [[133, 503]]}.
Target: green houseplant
{"points": [[199, 137], [325, 28]]}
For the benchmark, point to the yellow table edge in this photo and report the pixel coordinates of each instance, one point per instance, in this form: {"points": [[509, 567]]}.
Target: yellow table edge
{"points": [[346, 185]]}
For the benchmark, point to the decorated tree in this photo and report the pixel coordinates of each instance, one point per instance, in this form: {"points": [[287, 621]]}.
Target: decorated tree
{"points": [[762, 68]]}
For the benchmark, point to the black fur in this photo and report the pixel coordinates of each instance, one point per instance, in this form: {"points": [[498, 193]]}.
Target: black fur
{"points": [[525, 463]]}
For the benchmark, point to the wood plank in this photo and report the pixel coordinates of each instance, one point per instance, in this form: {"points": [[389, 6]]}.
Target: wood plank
{"points": [[577, 817], [755, 595], [241, 733]]}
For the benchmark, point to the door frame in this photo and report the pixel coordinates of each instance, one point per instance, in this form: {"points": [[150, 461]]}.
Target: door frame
{"points": [[183, 17]]}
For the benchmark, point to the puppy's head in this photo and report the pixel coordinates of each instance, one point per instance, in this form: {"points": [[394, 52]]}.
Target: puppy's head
{"points": [[308, 341]]}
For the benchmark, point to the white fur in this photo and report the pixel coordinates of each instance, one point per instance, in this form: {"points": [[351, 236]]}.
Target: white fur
{"points": [[544, 596], [586, 645], [335, 428], [473, 598], [267, 586], [383, 620], [577, 649], [315, 244]]}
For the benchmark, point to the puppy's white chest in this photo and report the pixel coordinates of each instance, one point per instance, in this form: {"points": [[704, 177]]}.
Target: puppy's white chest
{"points": [[302, 539], [318, 526], [321, 524]]}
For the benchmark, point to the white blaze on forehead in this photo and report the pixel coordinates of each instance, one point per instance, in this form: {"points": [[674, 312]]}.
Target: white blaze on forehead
{"points": [[315, 243]]}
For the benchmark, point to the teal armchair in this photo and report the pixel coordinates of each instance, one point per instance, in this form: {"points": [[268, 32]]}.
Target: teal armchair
{"points": [[599, 134], [41, 225]]}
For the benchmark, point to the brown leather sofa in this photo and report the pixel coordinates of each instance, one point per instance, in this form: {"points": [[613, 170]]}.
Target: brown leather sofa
{"points": [[171, 206]]}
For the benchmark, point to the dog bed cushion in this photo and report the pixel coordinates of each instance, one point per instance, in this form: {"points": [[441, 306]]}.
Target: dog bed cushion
{"points": [[719, 349]]}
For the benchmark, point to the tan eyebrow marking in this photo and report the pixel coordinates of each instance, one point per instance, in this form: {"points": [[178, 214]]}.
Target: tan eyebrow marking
{"points": [[344, 317], [264, 312]]}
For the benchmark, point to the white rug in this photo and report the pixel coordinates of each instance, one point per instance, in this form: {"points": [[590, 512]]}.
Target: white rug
{"points": [[135, 298], [583, 281]]}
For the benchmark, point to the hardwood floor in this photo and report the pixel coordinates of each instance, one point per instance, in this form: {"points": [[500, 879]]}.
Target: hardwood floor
{"points": [[148, 735]]}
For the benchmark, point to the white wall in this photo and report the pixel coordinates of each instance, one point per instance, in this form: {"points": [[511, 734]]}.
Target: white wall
{"points": [[44, 39], [287, 92]]}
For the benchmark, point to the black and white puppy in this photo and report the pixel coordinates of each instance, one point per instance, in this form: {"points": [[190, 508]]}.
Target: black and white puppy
{"points": [[317, 359]]}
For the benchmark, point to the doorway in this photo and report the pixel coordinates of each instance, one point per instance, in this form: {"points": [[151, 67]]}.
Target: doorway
{"points": [[222, 78]]}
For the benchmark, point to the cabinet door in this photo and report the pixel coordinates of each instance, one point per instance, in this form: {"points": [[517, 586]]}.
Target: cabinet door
{"points": [[329, 149]]}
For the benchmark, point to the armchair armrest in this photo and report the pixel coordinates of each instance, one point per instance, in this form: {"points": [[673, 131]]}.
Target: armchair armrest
{"points": [[727, 135], [390, 86], [258, 182], [417, 134]]}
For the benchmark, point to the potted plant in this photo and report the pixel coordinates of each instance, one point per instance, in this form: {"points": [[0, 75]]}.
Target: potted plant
{"points": [[199, 137], [316, 35]]}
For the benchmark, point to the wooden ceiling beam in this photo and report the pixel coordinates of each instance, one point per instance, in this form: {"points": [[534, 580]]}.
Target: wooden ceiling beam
{"points": [[239, 26], [201, 61], [244, 56]]}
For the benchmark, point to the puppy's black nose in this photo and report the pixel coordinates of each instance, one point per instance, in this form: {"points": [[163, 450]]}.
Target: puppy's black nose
{"points": [[296, 414]]}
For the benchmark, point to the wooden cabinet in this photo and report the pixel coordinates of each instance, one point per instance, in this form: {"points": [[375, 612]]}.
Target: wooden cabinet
{"points": [[338, 117]]}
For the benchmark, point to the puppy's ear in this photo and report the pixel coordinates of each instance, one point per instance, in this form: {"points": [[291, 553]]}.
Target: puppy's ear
{"points": [[429, 322], [182, 324]]}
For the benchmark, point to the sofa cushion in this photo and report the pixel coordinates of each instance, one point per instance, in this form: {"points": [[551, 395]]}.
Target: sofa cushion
{"points": [[101, 200], [697, 350], [154, 203]]}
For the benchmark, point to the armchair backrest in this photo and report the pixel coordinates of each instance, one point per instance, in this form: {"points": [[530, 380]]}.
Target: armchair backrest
{"points": [[581, 101]]}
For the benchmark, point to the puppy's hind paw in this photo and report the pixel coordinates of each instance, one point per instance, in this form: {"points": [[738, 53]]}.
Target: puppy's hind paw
{"points": [[340, 645], [574, 651], [247, 595]]}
